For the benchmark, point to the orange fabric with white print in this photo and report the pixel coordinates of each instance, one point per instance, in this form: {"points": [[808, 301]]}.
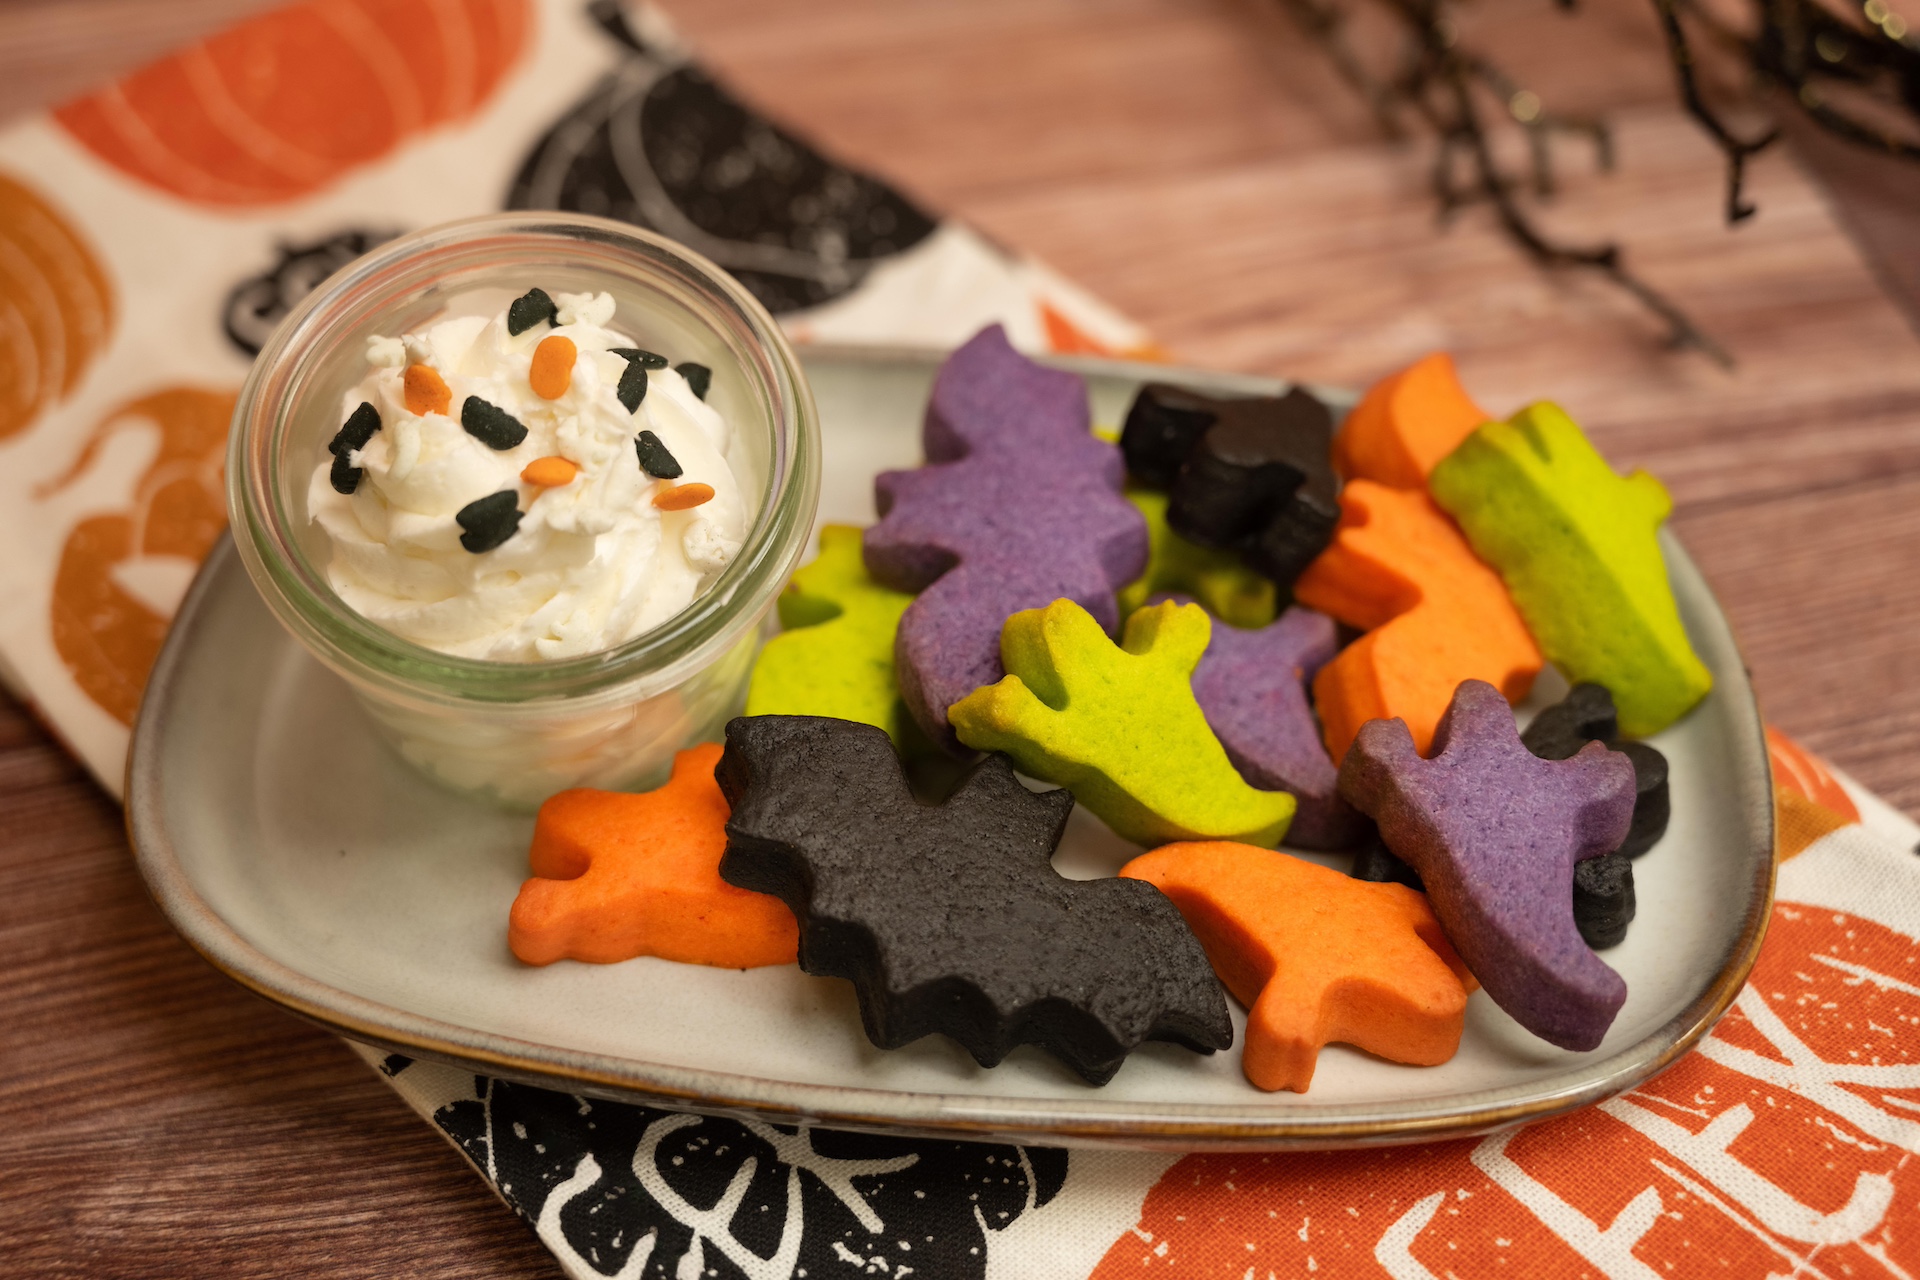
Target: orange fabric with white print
{"points": [[1800, 771], [1808, 801]]}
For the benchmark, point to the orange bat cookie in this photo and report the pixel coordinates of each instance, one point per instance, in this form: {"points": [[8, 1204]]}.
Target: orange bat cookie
{"points": [[1406, 423], [1434, 616], [618, 876], [1316, 956]]}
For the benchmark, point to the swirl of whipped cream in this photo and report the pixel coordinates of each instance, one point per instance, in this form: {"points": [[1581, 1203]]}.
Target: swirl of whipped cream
{"points": [[593, 563]]}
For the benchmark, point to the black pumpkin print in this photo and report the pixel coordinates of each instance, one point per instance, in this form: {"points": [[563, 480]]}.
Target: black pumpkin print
{"points": [[260, 302], [659, 144]]}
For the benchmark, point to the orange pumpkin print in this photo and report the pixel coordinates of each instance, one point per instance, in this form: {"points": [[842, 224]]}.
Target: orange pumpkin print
{"points": [[121, 575], [56, 307], [284, 104]]}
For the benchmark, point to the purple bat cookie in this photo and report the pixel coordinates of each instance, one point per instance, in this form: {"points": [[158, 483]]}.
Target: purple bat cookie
{"points": [[1253, 687], [1018, 505], [1494, 831]]}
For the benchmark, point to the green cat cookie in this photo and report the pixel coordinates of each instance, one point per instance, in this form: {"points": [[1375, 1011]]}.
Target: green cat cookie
{"points": [[1118, 725], [835, 656], [1230, 591], [1577, 546]]}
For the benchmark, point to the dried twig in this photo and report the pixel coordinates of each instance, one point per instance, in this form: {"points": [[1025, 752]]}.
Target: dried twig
{"points": [[1797, 45], [1737, 150], [1327, 23]]}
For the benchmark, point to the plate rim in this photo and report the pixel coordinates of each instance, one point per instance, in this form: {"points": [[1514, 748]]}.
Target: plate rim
{"points": [[1075, 1122]]}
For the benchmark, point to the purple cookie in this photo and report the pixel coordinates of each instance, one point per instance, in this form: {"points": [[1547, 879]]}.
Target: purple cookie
{"points": [[1494, 832], [1253, 687], [1018, 505]]}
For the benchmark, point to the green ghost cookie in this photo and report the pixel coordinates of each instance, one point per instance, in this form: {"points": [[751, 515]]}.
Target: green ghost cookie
{"points": [[1230, 591], [1118, 725], [1577, 546], [835, 656]]}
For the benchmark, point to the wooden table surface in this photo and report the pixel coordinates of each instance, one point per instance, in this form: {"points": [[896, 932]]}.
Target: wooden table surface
{"points": [[1195, 163]]}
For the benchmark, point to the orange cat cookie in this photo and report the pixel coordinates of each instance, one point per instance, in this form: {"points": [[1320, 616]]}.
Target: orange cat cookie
{"points": [[1316, 957], [618, 876], [1434, 616], [1405, 424]]}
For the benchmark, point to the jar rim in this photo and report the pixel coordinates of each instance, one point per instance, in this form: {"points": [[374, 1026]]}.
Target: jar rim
{"points": [[304, 600]]}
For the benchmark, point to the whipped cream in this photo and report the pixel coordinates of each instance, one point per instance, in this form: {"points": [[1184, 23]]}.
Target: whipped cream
{"points": [[593, 562]]}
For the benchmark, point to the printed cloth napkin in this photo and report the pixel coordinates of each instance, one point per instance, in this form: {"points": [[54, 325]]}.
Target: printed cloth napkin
{"points": [[151, 235]]}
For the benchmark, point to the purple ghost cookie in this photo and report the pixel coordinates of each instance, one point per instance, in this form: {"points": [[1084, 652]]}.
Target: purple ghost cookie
{"points": [[1252, 684], [1494, 832], [1018, 505]]}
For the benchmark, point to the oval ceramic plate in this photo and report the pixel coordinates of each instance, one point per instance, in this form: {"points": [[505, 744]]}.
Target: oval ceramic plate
{"points": [[310, 864]]}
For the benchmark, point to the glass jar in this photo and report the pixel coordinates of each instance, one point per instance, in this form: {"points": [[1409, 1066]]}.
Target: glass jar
{"points": [[516, 732]]}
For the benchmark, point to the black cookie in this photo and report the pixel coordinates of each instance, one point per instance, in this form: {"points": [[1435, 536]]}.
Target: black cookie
{"points": [[1652, 805], [1253, 474], [1162, 427], [1374, 861], [1586, 715], [1603, 899], [950, 918]]}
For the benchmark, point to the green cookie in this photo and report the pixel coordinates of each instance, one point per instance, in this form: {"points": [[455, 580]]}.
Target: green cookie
{"points": [[1119, 725], [835, 656], [1577, 547], [1230, 591]]}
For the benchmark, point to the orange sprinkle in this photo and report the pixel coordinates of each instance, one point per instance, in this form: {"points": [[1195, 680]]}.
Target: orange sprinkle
{"points": [[426, 390], [550, 472], [680, 497], [552, 371]]}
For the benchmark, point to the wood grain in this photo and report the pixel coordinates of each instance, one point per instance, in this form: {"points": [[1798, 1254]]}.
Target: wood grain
{"points": [[1194, 162], [156, 1120]]}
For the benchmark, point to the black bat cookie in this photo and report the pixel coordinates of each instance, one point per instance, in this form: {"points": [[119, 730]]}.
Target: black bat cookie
{"points": [[950, 918], [1253, 474]]}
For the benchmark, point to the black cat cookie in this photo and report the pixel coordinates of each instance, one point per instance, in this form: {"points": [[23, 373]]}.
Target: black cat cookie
{"points": [[1253, 474]]}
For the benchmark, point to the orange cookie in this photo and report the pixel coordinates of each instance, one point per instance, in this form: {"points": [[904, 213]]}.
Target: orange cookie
{"points": [[1316, 956], [618, 876], [1405, 424], [1434, 616]]}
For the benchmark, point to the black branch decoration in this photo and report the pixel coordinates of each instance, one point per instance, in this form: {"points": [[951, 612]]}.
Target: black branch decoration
{"points": [[1852, 79]]}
